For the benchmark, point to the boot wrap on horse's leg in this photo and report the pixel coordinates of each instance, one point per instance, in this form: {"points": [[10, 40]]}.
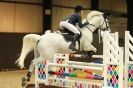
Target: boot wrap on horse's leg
{"points": [[26, 79], [72, 46], [28, 76]]}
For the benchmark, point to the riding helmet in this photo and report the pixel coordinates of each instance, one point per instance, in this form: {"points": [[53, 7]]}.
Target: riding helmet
{"points": [[78, 8]]}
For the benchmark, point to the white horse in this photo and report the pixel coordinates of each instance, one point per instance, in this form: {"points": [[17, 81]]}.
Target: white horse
{"points": [[45, 46]]}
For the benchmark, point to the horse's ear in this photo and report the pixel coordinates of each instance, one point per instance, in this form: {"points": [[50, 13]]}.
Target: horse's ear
{"points": [[107, 13], [89, 11], [104, 15]]}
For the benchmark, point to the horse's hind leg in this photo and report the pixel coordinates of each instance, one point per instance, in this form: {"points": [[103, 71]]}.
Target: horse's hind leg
{"points": [[31, 68], [28, 76]]}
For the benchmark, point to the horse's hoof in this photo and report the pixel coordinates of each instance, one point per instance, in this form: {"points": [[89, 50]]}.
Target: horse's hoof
{"points": [[24, 81], [73, 48], [84, 55], [90, 53]]}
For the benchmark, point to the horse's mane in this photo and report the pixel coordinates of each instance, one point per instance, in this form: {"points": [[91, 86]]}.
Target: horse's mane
{"points": [[92, 14]]}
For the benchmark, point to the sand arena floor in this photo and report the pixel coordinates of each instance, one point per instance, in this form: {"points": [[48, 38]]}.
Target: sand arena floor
{"points": [[12, 79]]}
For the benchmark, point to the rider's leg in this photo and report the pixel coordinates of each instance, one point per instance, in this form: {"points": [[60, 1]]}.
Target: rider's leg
{"points": [[70, 27], [75, 38], [73, 29]]}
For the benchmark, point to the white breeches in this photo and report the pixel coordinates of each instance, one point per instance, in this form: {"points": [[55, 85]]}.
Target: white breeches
{"points": [[70, 27]]}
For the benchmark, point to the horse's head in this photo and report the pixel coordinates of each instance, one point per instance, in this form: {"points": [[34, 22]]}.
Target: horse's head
{"points": [[104, 25], [97, 20]]}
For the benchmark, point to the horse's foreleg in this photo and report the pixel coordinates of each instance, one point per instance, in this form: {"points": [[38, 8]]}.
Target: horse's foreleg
{"points": [[93, 48], [89, 47]]}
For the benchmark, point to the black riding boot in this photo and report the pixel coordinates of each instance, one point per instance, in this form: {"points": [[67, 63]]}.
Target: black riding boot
{"points": [[72, 46]]}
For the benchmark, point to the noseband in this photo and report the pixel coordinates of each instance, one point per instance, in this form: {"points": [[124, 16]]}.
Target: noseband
{"points": [[107, 26]]}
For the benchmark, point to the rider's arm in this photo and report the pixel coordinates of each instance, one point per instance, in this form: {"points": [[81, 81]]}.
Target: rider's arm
{"points": [[80, 22]]}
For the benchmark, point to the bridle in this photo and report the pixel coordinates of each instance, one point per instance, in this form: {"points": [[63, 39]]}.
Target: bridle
{"points": [[103, 29]]}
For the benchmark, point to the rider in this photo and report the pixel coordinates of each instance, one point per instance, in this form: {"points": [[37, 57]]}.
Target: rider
{"points": [[70, 22]]}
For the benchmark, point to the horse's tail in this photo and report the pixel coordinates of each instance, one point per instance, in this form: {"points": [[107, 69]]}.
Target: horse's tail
{"points": [[29, 42]]}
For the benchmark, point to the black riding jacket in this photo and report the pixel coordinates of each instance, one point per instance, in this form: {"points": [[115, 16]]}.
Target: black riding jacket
{"points": [[75, 18]]}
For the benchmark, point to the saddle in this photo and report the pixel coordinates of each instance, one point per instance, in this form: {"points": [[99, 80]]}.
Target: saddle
{"points": [[68, 36]]}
